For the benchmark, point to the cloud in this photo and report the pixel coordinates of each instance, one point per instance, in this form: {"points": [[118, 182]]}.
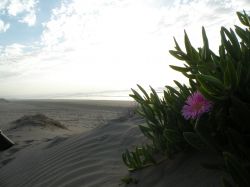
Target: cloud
{"points": [[19, 6], [15, 7], [29, 19], [112, 44], [3, 4], [193, 14], [80, 23], [7, 74], [4, 26], [12, 50], [131, 35], [23, 10]]}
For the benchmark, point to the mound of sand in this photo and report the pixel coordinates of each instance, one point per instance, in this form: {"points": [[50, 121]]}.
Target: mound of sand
{"points": [[93, 159], [38, 120], [3, 100]]}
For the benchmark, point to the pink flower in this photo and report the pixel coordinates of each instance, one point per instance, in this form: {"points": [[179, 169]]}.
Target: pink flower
{"points": [[196, 105]]}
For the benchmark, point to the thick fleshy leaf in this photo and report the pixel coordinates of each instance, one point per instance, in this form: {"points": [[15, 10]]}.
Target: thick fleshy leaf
{"points": [[212, 81], [143, 91], [244, 18], [194, 140], [180, 69], [203, 131], [205, 53]]}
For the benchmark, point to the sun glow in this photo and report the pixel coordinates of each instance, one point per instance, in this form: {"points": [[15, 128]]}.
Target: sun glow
{"points": [[107, 45]]}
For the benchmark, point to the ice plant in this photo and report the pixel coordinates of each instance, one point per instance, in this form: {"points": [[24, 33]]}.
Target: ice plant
{"points": [[196, 105]]}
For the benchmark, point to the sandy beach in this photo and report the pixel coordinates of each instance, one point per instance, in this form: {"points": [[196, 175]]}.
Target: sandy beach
{"points": [[124, 93], [79, 143]]}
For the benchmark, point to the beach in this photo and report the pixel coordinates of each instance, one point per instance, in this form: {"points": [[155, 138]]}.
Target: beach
{"points": [[79, 143]]}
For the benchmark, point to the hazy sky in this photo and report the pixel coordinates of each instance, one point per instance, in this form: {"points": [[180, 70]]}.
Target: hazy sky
{"points": [[50, 47]]}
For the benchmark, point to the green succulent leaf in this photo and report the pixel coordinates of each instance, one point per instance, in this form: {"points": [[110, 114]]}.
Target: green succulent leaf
{"points": [[194, 140], [244, 34], [181, 69], [205, 53], [232, 45], [210, 80], [191, 52], [230, 77], [203, 131], [244, 18], [179, 55], [211, 96], [211, 85]]}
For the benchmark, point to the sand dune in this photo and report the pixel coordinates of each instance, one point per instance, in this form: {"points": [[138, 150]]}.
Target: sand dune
{"points": [[37, 120], [90, 159], [93, 159], [2, 100]]}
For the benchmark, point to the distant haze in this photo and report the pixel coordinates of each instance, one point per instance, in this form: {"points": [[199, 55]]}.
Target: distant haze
{"points": [[66, 48]]}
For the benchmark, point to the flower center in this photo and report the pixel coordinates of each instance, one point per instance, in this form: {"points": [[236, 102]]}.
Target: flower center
{"points": [[197, 106]]}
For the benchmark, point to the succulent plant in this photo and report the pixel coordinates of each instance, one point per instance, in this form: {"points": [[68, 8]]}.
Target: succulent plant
{"points": [[211, 113]]}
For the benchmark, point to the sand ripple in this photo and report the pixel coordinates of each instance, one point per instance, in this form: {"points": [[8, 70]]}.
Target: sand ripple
{"points": [[90, 159]]}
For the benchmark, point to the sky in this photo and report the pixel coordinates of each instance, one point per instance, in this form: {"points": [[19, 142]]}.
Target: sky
{"points": [[66, 47]]}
